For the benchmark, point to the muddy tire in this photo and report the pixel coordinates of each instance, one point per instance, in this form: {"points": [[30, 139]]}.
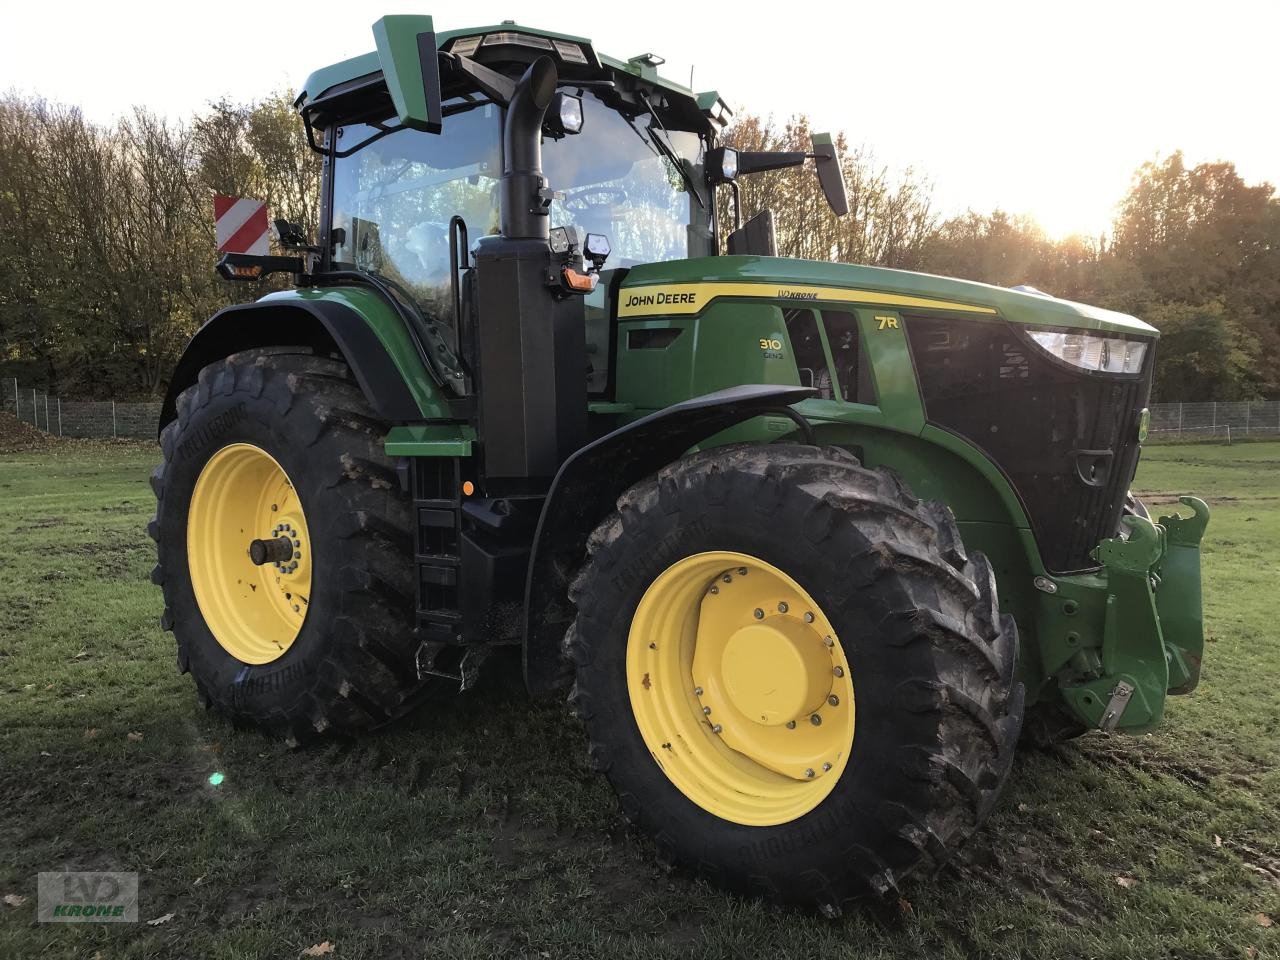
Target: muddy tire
{"points": [[347, 664], [930, 658]]}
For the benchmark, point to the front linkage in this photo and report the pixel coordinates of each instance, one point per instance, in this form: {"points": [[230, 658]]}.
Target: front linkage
{"points": [[1147, 596]]}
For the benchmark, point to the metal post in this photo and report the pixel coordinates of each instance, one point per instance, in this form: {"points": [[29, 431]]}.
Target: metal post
{"points": [[113, 419], [1247, 408], [1215, 415], [59, 416], [46, 413], [35, 410], [1179, 419]]}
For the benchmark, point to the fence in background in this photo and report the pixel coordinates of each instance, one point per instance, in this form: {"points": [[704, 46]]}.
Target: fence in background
{"points": [[1215, 420], [110, 418], [80, 418]]}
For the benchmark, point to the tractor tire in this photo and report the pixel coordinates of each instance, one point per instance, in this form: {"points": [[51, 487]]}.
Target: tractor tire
{"points": [[916, 644], [1048, 724], [280, 446]]}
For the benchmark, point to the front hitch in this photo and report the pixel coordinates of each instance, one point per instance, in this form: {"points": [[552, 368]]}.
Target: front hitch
{"points": [[1153, 634], [1178, 596]]}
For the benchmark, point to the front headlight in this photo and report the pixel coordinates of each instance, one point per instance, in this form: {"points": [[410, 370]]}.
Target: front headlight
{"points": [[1093, 351]]}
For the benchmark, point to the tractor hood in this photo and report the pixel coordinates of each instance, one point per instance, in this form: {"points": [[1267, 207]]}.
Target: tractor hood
{"points": [[706, 278]]}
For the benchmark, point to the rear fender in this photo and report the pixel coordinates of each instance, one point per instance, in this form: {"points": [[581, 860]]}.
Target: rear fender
{"points": [[323, 325], [586, 489]]}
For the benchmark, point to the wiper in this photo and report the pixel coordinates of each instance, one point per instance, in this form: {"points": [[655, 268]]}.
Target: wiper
{"points": [[668, 151]]}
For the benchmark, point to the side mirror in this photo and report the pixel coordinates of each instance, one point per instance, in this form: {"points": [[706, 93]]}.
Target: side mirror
{"points": [[410, 63], [830, 176]]}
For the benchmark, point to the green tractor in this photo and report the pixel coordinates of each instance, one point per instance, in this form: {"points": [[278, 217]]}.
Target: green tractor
{"points": [[813, 545]]}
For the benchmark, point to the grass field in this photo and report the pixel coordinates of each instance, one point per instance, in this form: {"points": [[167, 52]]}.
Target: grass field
{"points": [[479, 829]]}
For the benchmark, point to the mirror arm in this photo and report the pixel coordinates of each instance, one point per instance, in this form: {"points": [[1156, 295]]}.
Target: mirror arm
{"points": [[498, 87]]}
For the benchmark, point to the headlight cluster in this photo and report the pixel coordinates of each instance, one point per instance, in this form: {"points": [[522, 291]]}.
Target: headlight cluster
{"points": [[1093, 351]]}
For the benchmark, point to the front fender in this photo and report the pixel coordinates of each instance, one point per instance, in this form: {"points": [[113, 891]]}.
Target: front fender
{"points": [[586, 489]]}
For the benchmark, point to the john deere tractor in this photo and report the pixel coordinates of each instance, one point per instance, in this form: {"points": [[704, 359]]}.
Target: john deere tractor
{"points": [[813, 545]]}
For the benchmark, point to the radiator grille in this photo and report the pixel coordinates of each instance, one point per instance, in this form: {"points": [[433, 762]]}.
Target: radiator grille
{"points": [[1067, 440]]}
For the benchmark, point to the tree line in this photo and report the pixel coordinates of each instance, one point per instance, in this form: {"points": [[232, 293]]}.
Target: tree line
{"points": [[107, 243]]}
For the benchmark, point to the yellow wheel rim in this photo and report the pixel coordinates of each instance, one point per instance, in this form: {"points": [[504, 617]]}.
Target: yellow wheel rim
{"points": [[740, 688], [254, 611]]}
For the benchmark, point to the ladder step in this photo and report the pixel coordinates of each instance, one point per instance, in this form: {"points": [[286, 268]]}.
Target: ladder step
{"points": [[439, 559], [440, 615]]}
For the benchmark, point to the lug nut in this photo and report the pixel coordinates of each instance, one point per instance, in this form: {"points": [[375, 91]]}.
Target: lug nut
{"points": [[759, 614], [833, 700], [791, 724], [815, 720], [706, 711], [697, 691], [727, 579], [716, 729], [742, 571], [828, 641], [782, 607], [838, 671], [826, 768], [809, 773], [808, 617], [715, 590]]}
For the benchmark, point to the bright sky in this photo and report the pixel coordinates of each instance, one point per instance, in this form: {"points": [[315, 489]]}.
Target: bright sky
{"points": [[1040, 108]]}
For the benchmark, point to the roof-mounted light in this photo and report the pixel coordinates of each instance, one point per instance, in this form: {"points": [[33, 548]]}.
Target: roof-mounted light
{"points": [[465, 46], [714, 108], [570, 52], [513, 38]]}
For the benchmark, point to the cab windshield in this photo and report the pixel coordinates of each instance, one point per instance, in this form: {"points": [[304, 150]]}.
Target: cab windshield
{"points": [[393, 198]]}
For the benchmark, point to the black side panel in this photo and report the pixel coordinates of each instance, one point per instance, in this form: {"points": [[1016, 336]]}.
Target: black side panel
{"points": [[1066, 439], [586, 489], [532, 362], [321, 325]]}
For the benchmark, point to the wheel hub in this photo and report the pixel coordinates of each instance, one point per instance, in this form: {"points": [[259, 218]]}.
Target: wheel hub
{"points": [[775, 671], [740, 688], [248, 553]]}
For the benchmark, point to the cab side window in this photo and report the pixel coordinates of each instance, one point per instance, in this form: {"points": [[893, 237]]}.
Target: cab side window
{"points": [[852, 366], [806, 347]]}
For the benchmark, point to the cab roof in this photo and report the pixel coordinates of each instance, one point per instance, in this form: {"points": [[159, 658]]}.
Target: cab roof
{"points": [[641, 68]]}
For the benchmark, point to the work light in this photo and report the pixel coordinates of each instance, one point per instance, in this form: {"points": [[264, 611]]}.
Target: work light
{"points": [[1093, 351], [565, 115], [722, 164]]}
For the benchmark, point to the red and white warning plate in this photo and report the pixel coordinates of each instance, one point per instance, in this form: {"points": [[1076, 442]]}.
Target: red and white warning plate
{"points": [[240, 225]]}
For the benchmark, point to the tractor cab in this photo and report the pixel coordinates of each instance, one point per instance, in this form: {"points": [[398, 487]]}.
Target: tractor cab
{"points": [[620, 159]]}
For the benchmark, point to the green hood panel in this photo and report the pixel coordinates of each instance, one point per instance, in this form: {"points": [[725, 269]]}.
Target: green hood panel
{"points": [[1013, 305]]}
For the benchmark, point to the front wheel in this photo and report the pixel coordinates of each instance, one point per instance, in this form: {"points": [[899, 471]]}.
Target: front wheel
{"points": [[797, 682]]}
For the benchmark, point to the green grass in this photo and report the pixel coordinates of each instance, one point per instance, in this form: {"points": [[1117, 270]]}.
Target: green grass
{"points": [[479, 829]]}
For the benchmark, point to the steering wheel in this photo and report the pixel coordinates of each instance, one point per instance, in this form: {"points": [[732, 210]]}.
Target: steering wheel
{"points": [[593, 198]]}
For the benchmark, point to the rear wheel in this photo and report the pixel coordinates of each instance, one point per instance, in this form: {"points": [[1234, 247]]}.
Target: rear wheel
{"points": [[794, 677], [285, 548]]}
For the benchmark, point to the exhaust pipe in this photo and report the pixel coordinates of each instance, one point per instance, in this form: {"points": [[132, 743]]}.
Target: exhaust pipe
{"points": [[525, 200]]}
